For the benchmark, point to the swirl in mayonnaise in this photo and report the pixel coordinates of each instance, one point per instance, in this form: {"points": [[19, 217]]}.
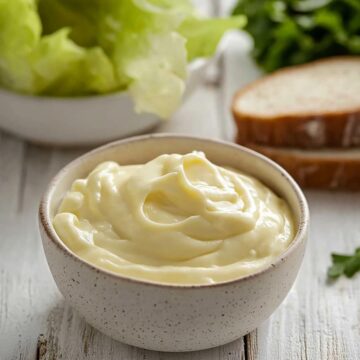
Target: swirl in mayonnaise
{"points": [[178, 219]]}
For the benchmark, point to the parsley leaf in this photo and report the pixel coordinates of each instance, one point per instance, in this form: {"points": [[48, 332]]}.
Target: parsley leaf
{"points": [[347, 265], [290, 32]]}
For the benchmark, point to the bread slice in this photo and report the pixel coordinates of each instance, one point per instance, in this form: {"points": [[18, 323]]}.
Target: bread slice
{"points": [[320, 169], [313, 105]]}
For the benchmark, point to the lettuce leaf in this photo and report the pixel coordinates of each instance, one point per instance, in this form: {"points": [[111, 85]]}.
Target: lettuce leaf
{"points": [[203, 35], [82, 47], [60, 67], [148, 54], [77, 15], [19, 34], [157, 77]]}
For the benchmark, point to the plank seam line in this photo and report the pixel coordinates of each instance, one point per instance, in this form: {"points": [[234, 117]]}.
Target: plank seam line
{"points": [[23, 175], [246, 347], [221, 100]]}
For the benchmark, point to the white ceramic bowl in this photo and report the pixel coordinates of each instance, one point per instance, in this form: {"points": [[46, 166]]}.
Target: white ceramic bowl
{"points": [[172, 317], [88, 120]]}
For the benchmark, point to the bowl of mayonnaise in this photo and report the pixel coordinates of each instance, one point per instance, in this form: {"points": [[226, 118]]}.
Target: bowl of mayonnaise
{"points": [[174, 243]]}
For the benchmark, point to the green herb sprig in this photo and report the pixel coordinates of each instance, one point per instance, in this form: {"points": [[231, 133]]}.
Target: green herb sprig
{"points": [[347, 265], [290, 32]]}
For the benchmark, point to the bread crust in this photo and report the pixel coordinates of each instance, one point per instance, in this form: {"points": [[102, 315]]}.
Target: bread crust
{"points": [[305, 130], [315, 171]]}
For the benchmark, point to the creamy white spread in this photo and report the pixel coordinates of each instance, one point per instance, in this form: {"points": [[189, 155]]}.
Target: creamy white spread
{"points": [[178, 219]]}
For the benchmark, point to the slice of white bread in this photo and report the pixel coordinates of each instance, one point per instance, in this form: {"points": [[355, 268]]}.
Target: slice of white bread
{"points": [[322, 169], [312, 105]]}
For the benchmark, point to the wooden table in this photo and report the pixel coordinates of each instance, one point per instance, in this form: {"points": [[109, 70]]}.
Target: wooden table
{"points": [[316, 321]]}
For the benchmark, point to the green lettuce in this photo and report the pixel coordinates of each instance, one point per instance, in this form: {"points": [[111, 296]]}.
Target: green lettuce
{"points": [[85, 47], [60, 67], [203, 35], [19, 35]]}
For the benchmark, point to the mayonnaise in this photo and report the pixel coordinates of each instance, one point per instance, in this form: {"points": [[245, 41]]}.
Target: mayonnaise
{"points": [[178, 219]]}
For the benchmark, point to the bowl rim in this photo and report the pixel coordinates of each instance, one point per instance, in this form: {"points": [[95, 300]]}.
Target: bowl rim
{"points": [[46, 224]]}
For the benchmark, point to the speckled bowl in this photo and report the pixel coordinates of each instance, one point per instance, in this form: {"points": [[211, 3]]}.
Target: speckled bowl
{"points": [[172, 317]]}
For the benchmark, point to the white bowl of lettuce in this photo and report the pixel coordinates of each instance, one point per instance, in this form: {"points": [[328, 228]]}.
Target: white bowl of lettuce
{"points": [[76, 72]]}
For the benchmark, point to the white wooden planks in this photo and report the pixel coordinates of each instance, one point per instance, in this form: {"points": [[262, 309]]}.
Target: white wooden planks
{"points": [[35, 322], [27, 291], [317, 320]]}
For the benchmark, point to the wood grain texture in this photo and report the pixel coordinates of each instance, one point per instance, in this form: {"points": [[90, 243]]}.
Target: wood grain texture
{"points": [[320, 320], [27, 291], [317, 320], [35, 322]]}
